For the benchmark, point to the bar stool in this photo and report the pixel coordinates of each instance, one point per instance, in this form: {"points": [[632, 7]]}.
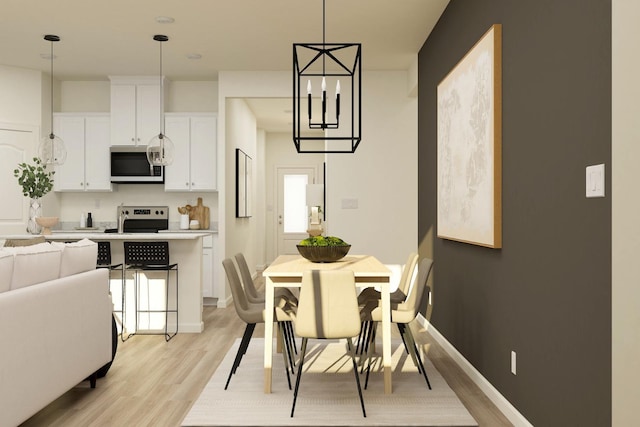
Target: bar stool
{"points": [[151, 256], [104, 261]]}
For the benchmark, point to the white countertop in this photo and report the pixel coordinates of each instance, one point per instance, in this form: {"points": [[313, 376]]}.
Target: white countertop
{"points": [[164, 235], [101, 235]]}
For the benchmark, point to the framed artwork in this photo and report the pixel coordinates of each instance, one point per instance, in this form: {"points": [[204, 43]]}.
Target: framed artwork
{"points": [[470, 145], [244, 177]]}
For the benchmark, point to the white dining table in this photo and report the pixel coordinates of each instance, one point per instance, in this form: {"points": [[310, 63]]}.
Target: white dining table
{"points": [[286, 271]]}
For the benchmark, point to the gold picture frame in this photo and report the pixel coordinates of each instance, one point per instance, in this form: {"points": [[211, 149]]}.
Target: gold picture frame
{"points": [[470, 146]]}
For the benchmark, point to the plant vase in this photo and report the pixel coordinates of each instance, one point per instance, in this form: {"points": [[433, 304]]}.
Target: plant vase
{"points": [[35, 210]]}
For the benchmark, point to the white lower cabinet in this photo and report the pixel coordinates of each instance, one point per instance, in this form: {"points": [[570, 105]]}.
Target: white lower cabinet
{"points": [[87, 141], [209, 266], [194, 166]]}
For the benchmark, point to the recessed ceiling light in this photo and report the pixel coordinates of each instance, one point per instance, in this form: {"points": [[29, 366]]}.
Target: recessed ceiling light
{"points": [[164, 20], [194, 56]]}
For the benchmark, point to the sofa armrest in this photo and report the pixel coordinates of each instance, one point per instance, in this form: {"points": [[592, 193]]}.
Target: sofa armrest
{"points": [[54, 334]]}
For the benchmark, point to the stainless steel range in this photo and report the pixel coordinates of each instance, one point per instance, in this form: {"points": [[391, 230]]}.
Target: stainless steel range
{"points": [[142, 219]]}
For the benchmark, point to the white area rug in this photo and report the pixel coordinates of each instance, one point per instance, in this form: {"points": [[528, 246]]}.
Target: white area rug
{"points": [[328, 395]]}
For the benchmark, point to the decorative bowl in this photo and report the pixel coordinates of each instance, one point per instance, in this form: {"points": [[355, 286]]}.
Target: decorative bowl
{"points": [[46, 222], [330, 253]]}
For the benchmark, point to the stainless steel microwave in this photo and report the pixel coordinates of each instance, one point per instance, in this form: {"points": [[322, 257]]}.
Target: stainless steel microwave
{"points": [[129, 165]]}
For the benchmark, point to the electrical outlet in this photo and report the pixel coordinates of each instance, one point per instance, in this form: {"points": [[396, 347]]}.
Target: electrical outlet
{"points": [[513, 362]]}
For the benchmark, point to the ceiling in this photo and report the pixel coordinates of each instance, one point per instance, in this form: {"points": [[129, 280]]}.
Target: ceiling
{"points": [[102, 38]]}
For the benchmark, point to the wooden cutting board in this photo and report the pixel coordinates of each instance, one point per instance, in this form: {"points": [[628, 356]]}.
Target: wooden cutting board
{"points": [[201, 213]]}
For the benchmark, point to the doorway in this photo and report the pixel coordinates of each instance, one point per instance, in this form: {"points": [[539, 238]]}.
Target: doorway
{"points": [[292, 215]]}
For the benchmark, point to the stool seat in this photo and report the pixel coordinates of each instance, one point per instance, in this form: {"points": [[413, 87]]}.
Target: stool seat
{"points": [[151, 256]]}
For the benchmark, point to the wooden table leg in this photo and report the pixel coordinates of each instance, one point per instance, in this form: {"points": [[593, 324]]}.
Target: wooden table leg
{"points": [[386, 337], [268, 333]]}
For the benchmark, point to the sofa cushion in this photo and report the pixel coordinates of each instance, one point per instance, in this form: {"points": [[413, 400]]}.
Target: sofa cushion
{"points": [[35, 264], [77, 257], [13, 243], [6, 270]]}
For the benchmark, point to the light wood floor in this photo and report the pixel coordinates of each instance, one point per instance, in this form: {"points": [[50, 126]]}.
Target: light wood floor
{"points": [[153, 383]]}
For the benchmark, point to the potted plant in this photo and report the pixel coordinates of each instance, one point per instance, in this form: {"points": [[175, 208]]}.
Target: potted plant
{"points": [[36, 181], [323, 249]]}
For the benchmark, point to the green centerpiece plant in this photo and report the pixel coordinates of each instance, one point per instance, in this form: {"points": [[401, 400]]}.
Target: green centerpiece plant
{"points": [[323, 249], [36, 181], [323, 241]]}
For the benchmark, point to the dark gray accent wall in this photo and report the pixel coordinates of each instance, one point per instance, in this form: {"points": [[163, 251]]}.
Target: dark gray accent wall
{"points": [[547, 293]]}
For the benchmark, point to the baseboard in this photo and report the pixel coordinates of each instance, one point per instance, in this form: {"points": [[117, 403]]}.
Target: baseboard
{"points": [[489, 390], [224, 303], [194, 328]]}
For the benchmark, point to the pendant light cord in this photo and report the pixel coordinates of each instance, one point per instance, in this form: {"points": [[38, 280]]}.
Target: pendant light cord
{"points": [[324, 41], [51, 136], [161, 93]]}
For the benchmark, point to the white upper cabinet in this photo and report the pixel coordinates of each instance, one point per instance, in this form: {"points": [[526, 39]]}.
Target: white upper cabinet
{"points": [[135, 109], [194, 166], [86, 138]]}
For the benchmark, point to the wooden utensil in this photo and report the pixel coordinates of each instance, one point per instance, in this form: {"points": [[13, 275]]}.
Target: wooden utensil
{"points": [[201, 213]]}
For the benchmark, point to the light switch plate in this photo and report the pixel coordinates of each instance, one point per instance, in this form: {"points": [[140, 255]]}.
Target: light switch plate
{"points": [[349, 203], [595, 181]]}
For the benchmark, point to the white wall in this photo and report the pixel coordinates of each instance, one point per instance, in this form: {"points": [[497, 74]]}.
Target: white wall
{"points": [[192, 96], [382, 174], [625, 206], [182, 96], [85, 96], [241, 132], [21, 100]]}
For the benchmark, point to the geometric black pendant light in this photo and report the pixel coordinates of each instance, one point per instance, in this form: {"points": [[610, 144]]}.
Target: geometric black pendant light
{"points": [[51, 149], [327, 121]]}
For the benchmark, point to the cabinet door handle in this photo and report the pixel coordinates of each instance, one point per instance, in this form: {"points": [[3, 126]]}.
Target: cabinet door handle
{"points": [[87, 184], [193, 184]]}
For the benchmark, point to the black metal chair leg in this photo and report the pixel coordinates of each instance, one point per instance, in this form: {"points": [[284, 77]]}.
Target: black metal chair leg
{"points": [[355, 371], [303, 350], [401, 327], [293, 338], [246, 337], [371, 337], [409, 344], [168, 336], [286, 354], [373, 333], [416, 353], [287, 337]]}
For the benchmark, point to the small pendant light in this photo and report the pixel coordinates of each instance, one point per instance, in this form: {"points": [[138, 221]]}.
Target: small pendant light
{"points": [[160, 148], [52, 150]]}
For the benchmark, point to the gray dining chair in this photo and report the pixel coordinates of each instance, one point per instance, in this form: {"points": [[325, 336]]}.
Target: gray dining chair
{"points": [[402, 314], [327, 309], [283, 296], [369, 299], [252, 314]]}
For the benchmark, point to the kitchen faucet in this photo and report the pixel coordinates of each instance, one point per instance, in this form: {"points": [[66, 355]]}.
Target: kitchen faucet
{"points": [[123, 217]]}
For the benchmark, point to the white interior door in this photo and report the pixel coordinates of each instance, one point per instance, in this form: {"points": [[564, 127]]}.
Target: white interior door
{"points": [[17, 145], [292, 219]]}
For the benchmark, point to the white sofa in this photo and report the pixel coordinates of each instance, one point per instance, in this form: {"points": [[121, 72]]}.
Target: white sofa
{"points": [[55, 324]]}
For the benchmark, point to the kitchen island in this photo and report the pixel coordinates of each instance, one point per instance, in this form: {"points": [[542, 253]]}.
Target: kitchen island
{"points": [[185, 248]]}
